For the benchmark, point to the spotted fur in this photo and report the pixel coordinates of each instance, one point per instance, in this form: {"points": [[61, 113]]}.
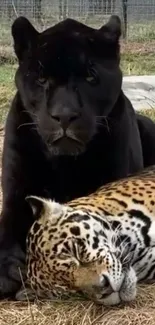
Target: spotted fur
{"points": [[100, 245]]}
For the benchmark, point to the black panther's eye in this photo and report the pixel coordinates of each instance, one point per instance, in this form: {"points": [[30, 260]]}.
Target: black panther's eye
{"points": [[45, 82], [92, 78], [42, 81]]}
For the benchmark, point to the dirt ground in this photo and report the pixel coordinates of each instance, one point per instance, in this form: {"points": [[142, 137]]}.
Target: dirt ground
{"points": [[137, 47], [78, 312]]}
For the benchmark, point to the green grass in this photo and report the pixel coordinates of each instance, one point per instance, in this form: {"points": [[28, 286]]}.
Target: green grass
{"points": [[138, 64], [131, 64], [141, 31], [7, 72], [7, 88], [149, 112]]}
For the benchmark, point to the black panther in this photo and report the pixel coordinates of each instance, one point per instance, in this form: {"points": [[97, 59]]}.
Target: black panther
{"points": [[69, 130]]}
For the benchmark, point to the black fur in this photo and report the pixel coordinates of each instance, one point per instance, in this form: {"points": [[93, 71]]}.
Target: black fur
{"points": [[147, 134], [70, 128]]}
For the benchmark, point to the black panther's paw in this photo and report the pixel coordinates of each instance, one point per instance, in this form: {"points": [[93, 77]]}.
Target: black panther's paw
{"points": [[12, 270]]}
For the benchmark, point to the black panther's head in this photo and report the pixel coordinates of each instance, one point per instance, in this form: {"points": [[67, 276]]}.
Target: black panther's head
{"points": [[68, 79]]}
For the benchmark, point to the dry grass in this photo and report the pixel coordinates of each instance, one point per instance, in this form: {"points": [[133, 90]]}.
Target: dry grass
{"points": [[140, 312]]}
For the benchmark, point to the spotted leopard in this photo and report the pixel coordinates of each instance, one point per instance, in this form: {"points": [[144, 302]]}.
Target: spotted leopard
{"points": [[100, 245]]}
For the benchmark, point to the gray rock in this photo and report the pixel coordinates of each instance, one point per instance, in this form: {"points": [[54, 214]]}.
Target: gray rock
{"points": [[140, 90]]}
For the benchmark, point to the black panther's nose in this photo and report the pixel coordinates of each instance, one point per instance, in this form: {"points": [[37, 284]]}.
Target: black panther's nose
{"points": [[65, 119]]}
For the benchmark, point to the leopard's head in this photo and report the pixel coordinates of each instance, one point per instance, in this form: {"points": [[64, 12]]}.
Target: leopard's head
{"points": [[71, 250]]}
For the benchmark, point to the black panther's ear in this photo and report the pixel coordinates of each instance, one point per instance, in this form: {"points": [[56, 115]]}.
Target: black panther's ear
{"points": [[112, 30], [37, 206], [24, 36]]}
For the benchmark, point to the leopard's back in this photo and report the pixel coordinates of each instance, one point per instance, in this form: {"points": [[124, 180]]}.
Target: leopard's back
{"points": [[135, 192]]}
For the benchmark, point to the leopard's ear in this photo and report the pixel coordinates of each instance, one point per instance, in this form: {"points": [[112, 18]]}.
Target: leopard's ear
{"points": [[46, 209], [37, 205]]}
